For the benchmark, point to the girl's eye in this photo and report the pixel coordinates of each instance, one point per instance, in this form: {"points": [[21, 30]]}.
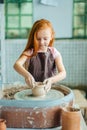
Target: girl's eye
{"points": [[40, 39], [45, 38]]}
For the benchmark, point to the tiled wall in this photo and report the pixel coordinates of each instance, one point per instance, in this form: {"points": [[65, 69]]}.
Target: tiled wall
{"points": [[13, 49], [1, 36], [74, 53]]}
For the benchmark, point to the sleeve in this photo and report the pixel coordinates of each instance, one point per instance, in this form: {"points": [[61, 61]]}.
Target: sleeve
{"points": [[28, 53], [55, 52]]}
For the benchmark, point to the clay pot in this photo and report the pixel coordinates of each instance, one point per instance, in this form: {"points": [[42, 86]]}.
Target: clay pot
{"points": [[2, 124], [39, 89], [71, 118]]}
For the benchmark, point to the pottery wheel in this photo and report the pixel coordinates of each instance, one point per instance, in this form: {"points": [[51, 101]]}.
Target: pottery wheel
{"points": [[27, 95]]}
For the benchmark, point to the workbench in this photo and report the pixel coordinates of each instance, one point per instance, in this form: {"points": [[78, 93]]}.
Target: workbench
{"points": [[81, 101]]}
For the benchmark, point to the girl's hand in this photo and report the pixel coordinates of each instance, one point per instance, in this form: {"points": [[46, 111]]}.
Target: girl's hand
{"points": [[30, 81], [48, 84]]}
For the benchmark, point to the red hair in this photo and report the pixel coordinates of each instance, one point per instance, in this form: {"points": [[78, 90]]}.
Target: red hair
{"points": [[38, 25]]}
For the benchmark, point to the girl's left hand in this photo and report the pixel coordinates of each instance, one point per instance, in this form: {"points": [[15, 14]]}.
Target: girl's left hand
{"points": [[48, 84]]}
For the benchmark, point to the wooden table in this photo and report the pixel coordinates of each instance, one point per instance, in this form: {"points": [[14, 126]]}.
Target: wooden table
{"points": [[81, 101], [83, 124]]}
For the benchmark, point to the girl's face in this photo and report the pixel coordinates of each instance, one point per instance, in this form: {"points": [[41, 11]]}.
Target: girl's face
{"points": [[43, 38]]}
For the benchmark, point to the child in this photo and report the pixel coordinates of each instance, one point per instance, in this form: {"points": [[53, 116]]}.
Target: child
{"points": [[43, 59]]}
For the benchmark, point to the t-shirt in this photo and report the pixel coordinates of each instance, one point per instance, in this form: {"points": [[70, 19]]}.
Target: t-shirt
{"points": [[54, 51]]}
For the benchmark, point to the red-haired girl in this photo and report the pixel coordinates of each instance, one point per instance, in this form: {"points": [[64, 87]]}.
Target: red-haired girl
{"points": [[44, 61]]}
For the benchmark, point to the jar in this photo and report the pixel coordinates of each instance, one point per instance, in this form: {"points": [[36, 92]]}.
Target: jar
{"points": [[71, 118], [2, 124]]}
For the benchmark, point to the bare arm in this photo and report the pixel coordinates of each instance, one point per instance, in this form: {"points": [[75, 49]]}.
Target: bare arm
{"points": [[61, 70], [19, 67]]}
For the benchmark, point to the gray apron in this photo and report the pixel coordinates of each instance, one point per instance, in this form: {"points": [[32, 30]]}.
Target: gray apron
{"points": [[42, 66]]}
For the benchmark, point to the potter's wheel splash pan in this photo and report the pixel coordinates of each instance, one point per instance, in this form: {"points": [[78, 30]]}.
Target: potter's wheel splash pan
{"points": [[27, 95], [68, 96]]}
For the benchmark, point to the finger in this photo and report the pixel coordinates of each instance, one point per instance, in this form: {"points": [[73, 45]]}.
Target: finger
{"points": [[28, 83], [33, 82], [47, 89], [45, 81]]}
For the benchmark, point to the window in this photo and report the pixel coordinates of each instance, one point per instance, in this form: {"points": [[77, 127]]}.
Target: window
{"points": [[80, 19], [18, 18]]}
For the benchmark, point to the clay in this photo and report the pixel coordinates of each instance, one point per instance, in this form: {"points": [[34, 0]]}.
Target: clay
{"points": [[2, 124], [39, 89]]}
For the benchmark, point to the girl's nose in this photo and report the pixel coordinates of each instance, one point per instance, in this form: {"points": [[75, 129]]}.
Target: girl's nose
{"points": [[42, 41]]}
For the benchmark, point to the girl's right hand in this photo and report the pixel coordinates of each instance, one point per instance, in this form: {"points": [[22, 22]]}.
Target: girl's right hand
{"points": [[30, 81]]}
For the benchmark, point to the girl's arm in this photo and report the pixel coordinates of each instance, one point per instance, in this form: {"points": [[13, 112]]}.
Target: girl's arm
{"points": [[19, 67], [61, 70]]}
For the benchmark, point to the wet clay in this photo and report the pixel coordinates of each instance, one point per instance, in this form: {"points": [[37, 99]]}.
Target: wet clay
{"points": [[39, 89]]}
